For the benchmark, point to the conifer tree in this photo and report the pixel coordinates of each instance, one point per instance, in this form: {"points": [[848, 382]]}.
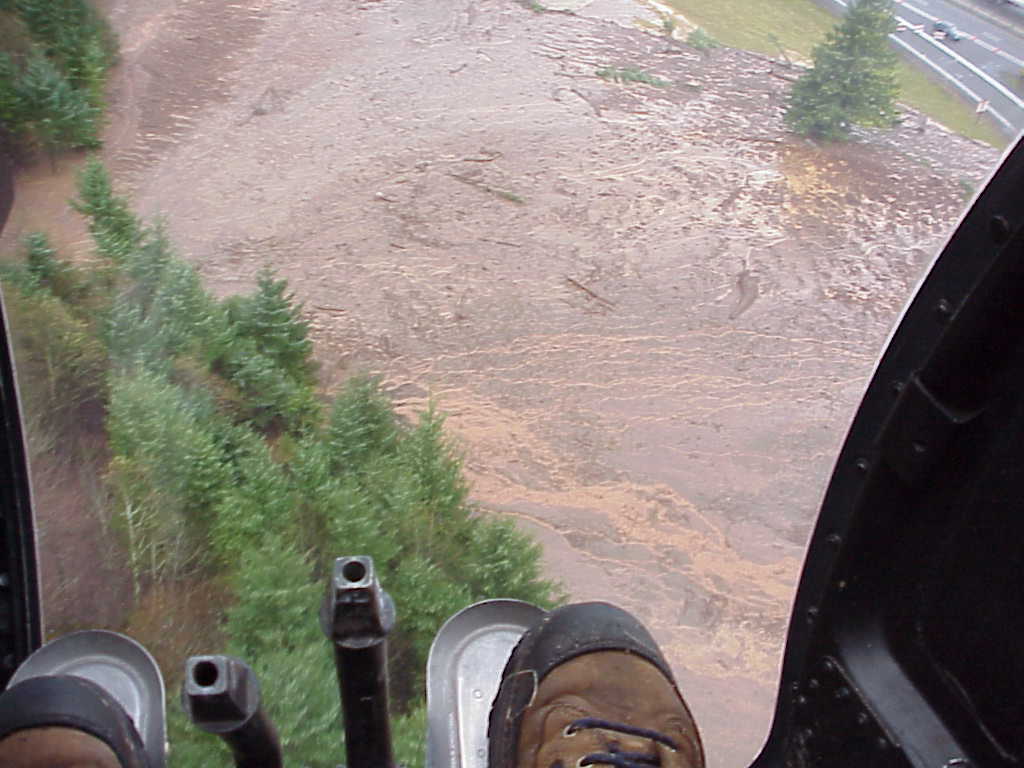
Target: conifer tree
{"points": [[41, 259], [53, 68], [73, 35], [362, 425], [274, 322], [59, 116], [854, 76], [114, 227]]}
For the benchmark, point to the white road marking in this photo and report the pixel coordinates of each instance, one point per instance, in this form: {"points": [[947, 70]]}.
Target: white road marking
{"points": [[983, 43], [946, 74]]}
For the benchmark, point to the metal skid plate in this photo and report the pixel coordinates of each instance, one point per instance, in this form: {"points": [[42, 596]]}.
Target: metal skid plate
{"points": [[118, 665], [463, 672]]}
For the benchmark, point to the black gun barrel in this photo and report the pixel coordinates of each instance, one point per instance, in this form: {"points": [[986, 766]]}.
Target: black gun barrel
{"points": [[221, 695], [357, 616]]}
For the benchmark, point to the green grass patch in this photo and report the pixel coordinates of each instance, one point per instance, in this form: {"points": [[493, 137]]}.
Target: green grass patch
{"points": [[630, 75], [512, 197], [939, 102], [797, 26]]}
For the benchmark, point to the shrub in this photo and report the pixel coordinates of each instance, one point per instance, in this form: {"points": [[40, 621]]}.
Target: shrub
{"points": [[701, 40], [630, 76], [61, 363]]}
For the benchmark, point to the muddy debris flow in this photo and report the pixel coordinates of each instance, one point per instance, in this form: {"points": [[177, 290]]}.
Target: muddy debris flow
{"points": [[648, 311]]}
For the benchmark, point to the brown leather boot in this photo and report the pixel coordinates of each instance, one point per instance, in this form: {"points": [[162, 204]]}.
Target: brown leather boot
{"points": [[63, 721], [588, 686], [55, 748]]}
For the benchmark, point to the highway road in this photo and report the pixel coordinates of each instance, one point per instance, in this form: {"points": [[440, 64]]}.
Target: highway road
{"points": [[996, 48], [986, 65]]}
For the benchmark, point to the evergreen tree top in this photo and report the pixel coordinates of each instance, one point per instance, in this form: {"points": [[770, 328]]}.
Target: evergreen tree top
{"points": [[853, 80]]}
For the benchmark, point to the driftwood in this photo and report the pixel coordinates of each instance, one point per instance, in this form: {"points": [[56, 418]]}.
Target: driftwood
{"points": [[580, 286]]}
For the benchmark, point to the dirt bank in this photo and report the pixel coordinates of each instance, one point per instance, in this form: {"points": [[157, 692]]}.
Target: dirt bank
{"points": [[648, 312]]}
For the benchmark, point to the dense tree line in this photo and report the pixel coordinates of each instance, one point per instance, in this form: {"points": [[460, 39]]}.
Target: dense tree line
{"points": [[221, 461], [224, 460]]}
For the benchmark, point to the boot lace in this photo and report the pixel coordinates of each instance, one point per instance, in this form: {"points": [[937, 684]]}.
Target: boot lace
{"points": [[614, 756]]}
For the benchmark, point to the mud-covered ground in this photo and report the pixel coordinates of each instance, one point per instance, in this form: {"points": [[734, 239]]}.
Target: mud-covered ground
{"points": [[648, 312]]}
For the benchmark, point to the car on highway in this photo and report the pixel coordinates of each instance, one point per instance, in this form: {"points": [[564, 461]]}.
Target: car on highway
{"points": [[946, 30]]}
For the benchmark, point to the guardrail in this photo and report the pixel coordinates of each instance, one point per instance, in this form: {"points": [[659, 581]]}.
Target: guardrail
{"points": [[980, 102]]}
